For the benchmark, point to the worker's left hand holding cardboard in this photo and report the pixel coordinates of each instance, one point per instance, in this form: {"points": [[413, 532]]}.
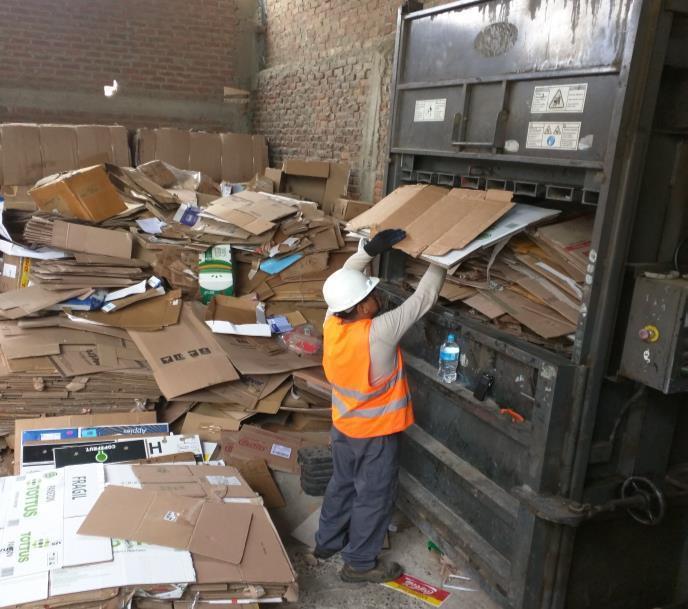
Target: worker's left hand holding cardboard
{"points": [[385, 240]]}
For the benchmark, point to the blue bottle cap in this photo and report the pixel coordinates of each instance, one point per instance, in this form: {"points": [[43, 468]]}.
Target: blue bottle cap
{"points": [[451, 338]]}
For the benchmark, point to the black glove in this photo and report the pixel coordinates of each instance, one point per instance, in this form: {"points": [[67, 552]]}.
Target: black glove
{"points": [[384, 241]]}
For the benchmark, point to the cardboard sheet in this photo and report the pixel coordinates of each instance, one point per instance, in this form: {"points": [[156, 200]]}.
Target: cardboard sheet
{"points": [[485, 305], [24, 589], [417, 197], [201, 481], [346, 209], [518, 218], [48, 506], [248, 358], [91, 240], [230, 315], [150, 314], [250, 211], [279, 451], [25, 301], [214, 530], [570, 239], [208, 428], [258, 476], [264, 560], [185, 357], [133, 564], [541, 319], [453, 221]]}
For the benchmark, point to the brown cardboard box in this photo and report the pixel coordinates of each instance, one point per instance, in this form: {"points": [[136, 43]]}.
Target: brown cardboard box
{"points": [[231, 157], [58, 148], [185, 357], [79, 420], [243, 156], [205, 154], [85, 193], [207, 528], [21, 162], [279, 452], [29, 152], [346, 209], [102, 144], [316, 181], [94, 145], [15, 273]]}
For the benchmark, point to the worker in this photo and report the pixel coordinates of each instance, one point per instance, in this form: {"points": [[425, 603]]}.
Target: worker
{"points": [[371, 406]]}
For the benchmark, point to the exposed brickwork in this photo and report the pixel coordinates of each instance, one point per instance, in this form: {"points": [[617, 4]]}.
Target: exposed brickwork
{"points": [[181, 49], [325, 91]]}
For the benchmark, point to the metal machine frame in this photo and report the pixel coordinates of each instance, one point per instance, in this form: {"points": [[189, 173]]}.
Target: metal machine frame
{"points": [[529, 504]]}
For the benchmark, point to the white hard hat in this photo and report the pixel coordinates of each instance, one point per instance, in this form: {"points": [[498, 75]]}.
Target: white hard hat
{"points": [[346, 288]]}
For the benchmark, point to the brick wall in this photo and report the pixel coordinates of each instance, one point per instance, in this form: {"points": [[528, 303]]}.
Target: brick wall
{"points": [[324, 92], [58, 54]]}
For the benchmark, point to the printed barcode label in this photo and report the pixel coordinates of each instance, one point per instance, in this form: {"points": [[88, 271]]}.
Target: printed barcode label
{"points": [[223, 480], [280, 451], [9, 270]]}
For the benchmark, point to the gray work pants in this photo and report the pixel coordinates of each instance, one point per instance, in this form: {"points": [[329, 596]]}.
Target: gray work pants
{"points": [[360, 497]]}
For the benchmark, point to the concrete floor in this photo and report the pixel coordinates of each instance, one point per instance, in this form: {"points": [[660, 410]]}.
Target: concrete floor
{"points": [[319, 583]]}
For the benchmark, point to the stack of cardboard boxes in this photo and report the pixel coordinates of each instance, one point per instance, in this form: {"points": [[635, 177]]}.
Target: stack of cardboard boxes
{"points": [[109, 508]]}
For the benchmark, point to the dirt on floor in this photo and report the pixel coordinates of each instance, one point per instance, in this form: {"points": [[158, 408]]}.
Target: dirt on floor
{"points": [[319, 583]]}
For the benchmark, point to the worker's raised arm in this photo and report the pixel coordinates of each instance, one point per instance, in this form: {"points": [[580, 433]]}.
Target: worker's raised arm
{"points": [[390, 327]]}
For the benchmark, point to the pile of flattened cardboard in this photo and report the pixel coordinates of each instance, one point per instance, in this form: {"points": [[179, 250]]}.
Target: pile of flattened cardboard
{"points": [[112, 509], [156, 286], [515, 265]]}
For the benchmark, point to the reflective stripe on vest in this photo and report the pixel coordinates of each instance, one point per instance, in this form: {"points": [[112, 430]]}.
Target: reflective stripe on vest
{"points": [[359, 409]]}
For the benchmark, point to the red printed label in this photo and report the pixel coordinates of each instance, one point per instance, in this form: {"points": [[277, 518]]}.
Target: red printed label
{"points": [[412, 586]]}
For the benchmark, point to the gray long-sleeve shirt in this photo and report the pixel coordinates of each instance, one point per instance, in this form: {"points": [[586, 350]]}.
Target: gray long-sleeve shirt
{"points": [[387, 329]]}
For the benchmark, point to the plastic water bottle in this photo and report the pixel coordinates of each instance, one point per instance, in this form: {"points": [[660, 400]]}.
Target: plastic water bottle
{"points": [[449, 360]]}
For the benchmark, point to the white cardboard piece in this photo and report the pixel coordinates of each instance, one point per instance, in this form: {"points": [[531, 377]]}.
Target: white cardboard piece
{"points": [[133, 564], [42, 253], [24, 589], [39, 510]]}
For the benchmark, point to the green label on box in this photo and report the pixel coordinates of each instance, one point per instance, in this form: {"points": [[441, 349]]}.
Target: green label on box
{"points": [[215, 272]]}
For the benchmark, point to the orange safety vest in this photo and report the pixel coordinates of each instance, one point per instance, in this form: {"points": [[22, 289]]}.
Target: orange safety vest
{"points": [[359, 409]]}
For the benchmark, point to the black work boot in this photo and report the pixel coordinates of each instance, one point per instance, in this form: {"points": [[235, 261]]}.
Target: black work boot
{"points": [[382, 572], [323, 554]]}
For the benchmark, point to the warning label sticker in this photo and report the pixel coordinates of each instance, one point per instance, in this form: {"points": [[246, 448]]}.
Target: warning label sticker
{"points": [[430, 110], [559, 99], [557, 136]]}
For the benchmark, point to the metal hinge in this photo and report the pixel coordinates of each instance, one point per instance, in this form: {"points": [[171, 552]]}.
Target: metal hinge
{"points": [[640, 497]]}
